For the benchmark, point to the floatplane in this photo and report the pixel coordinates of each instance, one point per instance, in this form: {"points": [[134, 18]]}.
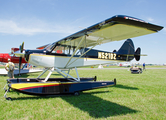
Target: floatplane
{"points": [[77, 51]]}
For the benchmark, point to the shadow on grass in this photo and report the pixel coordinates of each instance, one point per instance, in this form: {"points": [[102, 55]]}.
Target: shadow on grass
{"points": [[126, 87], [51, 96], [95, 106], [98, 107]]}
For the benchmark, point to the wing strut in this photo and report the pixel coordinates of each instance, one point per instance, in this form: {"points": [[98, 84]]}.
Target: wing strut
{"points": [[83, 38], [83, 54]]}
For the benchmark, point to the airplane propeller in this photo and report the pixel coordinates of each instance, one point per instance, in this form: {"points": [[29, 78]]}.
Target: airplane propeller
{"points": [[21, 48]]}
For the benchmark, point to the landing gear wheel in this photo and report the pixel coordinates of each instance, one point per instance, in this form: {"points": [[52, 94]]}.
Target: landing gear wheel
{"points": [[76, 93], [9, 98]]}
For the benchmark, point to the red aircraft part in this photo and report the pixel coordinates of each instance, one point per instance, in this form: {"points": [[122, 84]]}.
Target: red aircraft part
{"points": [[14, 49], [5, 56]]}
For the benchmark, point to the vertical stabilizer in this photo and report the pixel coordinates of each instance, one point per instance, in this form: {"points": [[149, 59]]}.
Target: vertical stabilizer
{"points": [[127, 47]]}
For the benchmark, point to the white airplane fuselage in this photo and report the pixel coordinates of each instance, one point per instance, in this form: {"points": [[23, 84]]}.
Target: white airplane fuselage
{"points": [[62, 61]]}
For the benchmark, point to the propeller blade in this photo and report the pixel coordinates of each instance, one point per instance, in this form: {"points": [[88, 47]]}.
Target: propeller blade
{"points": [[20, 53], [22, 47], [20, 62]]}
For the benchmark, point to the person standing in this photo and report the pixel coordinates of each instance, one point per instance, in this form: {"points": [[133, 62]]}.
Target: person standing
{"points": [[10, 68], [144, 66]]}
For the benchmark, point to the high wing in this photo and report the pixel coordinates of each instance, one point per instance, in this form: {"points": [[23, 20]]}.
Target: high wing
{"points": [[117, 28]]}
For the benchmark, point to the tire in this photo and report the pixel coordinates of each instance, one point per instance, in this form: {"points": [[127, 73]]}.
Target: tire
{"points": [[9, 98], [76, 93]]}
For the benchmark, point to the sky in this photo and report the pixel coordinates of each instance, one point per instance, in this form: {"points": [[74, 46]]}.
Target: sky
{"points": [[39, 22]]}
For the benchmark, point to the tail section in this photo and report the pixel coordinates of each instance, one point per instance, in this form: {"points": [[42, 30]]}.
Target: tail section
{"points": [[137, 54], [125, 53], [127, 50], [127, 47]]}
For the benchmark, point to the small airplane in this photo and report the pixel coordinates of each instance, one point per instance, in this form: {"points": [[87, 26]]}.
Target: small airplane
{"points": [[5, 56], [16, 60], [77, 51], [126, 64]]}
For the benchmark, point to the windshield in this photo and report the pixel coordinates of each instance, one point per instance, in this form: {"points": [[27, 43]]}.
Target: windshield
{"points": [[50, 46]]}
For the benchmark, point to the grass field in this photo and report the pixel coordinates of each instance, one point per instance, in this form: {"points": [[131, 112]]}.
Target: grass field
{"points": [[136, 96]]}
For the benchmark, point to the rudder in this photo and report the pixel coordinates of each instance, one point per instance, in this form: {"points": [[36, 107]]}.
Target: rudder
{"points": [[137, 54]]}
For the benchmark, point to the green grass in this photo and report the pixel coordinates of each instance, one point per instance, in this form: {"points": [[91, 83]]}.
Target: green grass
{"points": [[136, 96]]}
